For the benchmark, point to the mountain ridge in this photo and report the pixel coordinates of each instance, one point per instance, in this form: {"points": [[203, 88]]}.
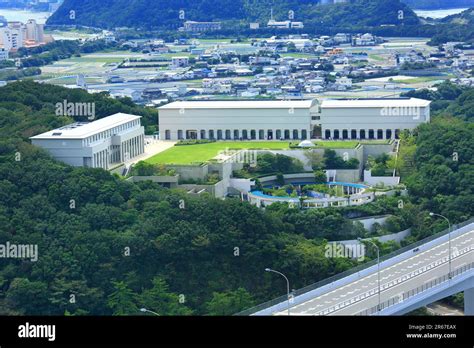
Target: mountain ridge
{"points": [[154, 14]]}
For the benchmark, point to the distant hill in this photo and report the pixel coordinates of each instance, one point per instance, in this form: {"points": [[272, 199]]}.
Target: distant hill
{"points": [[458, 27], [438, 4], [464, 18], [154, 14]]}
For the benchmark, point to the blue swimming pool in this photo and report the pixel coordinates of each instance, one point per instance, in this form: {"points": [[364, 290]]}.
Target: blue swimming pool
{"points": [[312, 194]]}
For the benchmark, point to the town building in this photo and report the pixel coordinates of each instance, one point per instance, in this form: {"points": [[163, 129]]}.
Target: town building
{"points": [[284, 24], [193, 26], [179, 62], [34, 31], [366, 39], [11, 39], [104, 143], [17, 34], [342, 38], [3, 54]]}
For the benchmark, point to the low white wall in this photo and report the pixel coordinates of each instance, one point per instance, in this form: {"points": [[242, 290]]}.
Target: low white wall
{"points": [[243, 185], [376, 150], [370, 221], [386, 180], [395, 237], [194, 172], [347, 175], [172, 180]]}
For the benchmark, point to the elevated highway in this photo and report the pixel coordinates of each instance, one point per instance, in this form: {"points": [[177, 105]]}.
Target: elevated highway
{"points": [[410, 278]]}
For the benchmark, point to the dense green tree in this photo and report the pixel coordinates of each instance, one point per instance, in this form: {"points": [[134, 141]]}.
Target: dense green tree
{"points": [[143, 13], [229, 302], [27, 297], [320, 177], [123, 245], [159, 299], [333, 161], [122, 300]]}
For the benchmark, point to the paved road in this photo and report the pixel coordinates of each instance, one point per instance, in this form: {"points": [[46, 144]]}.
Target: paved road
{"points": [[423, 267], [152, 148]]}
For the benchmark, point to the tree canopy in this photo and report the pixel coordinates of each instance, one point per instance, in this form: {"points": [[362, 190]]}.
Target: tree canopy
{"points": [[108, 246]]}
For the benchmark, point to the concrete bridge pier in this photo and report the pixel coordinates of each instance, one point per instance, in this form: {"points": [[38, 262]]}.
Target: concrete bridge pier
{"points": [[469, 301]]}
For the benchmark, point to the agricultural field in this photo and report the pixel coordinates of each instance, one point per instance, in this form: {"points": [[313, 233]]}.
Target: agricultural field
{"points": [[94, 64]]}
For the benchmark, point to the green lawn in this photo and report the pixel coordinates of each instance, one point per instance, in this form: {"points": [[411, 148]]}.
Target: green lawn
{"points": [[423, 79], [177, 54], [297, 55], [376, 57], [203, 152], [186, 154], [335, 144]]}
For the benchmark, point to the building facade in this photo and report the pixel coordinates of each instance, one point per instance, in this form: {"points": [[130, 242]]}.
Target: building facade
{"points": [[371, 118], [104, 143], [3, 54], [17, 34], [291, 119], [201, 26], [11, 38], [234, 120]]}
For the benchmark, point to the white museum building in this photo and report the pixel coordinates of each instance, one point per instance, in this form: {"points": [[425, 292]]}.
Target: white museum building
{"points": [[103, 143], [382, 118], [263, 120]]}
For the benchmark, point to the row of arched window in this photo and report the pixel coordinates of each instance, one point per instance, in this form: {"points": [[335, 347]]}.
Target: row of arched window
{"points": [[236, 134], [361, 134]]}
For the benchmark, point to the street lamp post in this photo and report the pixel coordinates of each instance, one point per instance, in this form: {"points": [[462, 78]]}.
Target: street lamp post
{"points": [[449, 240], [144, 310], [287, 285], [378, 270]]}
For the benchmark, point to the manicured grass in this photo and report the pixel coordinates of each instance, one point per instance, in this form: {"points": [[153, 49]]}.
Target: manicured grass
{"points": [[187, 154], [297, 55], [375, 142], [422, 79], [376, 57], [203, 41], [203, 152], [335, 144], [177, 54]]}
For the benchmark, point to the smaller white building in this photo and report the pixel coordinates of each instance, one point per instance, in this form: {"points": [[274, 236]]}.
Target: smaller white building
{"points": [[104, 143]]}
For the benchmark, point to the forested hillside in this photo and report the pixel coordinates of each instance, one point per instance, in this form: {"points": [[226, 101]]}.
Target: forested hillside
{"points": [[41, 100], [442, 177], [465, 18], [116, 246], [151, 14]]}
